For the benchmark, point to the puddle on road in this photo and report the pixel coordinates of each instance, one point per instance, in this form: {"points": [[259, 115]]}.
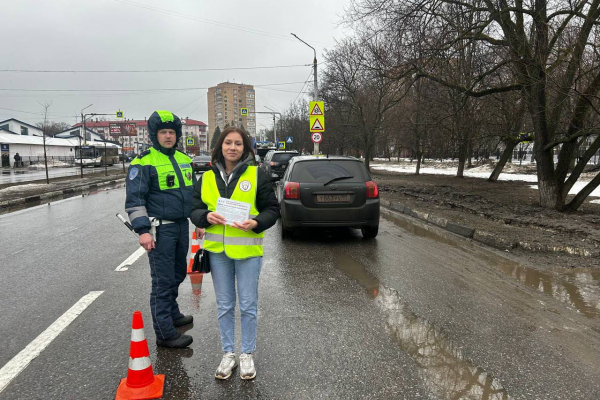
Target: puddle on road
{"points": [[446, 373], [579, 290]]}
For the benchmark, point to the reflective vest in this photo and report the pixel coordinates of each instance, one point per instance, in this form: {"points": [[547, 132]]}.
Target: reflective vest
{"points": [[164, 168], [236, 243]]}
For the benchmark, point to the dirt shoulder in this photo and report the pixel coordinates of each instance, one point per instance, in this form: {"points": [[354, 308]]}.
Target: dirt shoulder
{"points": [[503, 214]]}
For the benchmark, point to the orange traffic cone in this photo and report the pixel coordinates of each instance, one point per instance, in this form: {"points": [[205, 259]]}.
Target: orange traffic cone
{"points": [[195, 246], [141, 383], [196, 280]]}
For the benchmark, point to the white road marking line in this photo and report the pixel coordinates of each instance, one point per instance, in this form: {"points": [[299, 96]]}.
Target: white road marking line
{"points": [[17, 252], [131, 259], [19, 362]]}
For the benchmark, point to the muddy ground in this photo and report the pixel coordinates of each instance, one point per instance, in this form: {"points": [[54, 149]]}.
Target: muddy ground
{"points": [[508, 209]]}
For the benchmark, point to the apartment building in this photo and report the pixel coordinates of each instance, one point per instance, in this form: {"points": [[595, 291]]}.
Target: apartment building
{"points": [[224, 103]]}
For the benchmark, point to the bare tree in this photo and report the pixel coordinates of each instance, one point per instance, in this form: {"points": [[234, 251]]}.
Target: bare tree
{"points": [[46, 106], [543, 48]]}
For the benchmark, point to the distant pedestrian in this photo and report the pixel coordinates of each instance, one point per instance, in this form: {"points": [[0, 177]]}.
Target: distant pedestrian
{"points": [[159, 187], [5, 160], [235, 252], [17, 159]]}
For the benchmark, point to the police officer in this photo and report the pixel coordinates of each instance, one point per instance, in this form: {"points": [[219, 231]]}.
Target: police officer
{"points": [[160, 184]]}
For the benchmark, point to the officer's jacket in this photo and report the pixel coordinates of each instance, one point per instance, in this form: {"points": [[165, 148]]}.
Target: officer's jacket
{"points": [[159, 186]]}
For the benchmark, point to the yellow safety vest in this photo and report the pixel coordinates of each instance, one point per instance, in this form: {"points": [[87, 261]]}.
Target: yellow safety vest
{"points": [[236, 243]]}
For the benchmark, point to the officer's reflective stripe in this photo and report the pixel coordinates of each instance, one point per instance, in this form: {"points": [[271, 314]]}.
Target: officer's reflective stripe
{"points": [[137, 335], [137, 213], [139, 364], [165, 116], [244, 241], [213, 237]]}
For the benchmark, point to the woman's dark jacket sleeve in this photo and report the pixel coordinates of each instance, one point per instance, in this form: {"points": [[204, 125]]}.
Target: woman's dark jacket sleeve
{"points": [[266, 202]]}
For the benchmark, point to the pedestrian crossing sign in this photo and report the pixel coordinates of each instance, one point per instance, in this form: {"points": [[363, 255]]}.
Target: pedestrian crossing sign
{"points": [[243, 111], [119, 114], [317, 123], [289, 139], [189, 141], [281, 146], [316, 108]]}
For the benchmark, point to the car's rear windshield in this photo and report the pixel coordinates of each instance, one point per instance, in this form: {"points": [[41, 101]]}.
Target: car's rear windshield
{"points": [[283, 157], [323, 171], [202, 158]]}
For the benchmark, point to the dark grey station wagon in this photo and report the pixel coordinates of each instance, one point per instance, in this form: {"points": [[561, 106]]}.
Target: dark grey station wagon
{"points": [[333, 191]]}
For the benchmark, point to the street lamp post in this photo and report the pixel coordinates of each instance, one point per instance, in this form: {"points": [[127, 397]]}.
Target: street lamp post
{"points": [[274, 124], [315, 88], [84, 138]]}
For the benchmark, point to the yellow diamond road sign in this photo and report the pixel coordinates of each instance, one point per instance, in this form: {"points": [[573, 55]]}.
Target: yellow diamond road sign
{"points": [[243, 111], [317, 123], [316, 108]]}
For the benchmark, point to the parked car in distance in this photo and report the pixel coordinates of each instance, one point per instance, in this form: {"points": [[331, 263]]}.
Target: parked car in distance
{"points": [[201, 163], [276, 161], [333, 191]]}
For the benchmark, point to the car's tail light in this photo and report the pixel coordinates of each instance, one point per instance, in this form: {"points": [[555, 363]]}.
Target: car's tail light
{"points": [[210, 164], [292, 191], [372, 190], [274, 164]]}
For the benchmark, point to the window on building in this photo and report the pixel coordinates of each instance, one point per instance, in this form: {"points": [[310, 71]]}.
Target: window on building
{"points": [[5, 127], [24, 130]]}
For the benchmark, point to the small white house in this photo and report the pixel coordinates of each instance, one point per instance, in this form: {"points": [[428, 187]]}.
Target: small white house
{"points": [[74, 133], [20, 128]]}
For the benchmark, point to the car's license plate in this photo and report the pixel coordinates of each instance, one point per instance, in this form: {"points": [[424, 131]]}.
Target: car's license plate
{"points": [[333, 198]]}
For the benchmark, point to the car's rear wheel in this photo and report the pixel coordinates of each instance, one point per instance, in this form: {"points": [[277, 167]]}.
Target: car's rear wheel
{"points": [[285, 233], [369, 232]]}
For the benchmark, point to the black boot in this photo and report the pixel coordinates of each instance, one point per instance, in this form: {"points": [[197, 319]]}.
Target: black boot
{"points": [[186, 319], [178, 341]]}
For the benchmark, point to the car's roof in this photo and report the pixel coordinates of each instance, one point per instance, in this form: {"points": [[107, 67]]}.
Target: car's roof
{"points": [[284, 151], [323, 157], [202, 157]]}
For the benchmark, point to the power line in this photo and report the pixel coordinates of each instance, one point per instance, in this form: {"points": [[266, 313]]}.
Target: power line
{"points": [[138, 90], [213, 22], [150, 70]]}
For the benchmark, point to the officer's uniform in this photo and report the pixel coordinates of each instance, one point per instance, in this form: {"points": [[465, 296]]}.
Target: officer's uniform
{"points": [[159, 185]]}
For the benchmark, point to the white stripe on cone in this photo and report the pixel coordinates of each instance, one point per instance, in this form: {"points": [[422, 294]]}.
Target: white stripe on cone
{"points": [[137, 335], [139, 364]]}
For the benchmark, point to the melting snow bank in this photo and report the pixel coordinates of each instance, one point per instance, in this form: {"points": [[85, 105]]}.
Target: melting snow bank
{"points": [[21, 187], [483, 175]]}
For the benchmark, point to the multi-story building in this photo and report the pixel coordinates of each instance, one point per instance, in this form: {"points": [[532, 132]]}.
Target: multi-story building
{"points": [[224, 103], [141, 140]]}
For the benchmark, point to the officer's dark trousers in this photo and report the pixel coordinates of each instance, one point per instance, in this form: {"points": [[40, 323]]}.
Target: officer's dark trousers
{"points": [[168, 270]]}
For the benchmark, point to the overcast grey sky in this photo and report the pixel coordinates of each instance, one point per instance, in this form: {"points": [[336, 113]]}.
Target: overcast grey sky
{"points": [[109, 35]]}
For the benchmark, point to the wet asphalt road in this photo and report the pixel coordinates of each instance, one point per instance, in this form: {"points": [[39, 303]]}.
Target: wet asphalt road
{"points": [[414, 314]]}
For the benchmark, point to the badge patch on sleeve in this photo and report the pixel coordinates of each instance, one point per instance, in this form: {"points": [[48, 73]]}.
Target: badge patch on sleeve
{"points": [[188, 175], [133, 173], [245, 186]]}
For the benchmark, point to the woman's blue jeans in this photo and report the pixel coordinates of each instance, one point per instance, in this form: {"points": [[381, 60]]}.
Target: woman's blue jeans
{"points": [[225, 271]]}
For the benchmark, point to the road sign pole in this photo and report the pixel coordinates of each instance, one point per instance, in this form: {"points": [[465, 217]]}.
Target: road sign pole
{"points": [[316, 145]]}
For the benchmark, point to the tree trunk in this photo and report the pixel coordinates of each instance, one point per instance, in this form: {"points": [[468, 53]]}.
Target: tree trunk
{"points": [[506, 155], [583, 194], [549, 189], [418, 170]]}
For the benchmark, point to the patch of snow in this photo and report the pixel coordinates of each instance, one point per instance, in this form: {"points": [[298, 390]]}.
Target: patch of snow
{"points": [[21, 187], [473, 173]]}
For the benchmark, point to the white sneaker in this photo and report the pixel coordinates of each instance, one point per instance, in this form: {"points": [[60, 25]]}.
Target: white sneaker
{"points": [[228, 364], [247, 370]]}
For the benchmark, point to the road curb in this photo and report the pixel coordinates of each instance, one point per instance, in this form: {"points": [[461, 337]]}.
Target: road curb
{"points": [[482, 236], [58, 193]]}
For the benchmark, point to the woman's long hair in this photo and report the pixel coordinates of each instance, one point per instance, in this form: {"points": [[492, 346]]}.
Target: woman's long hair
{"points": [[217, 154]]}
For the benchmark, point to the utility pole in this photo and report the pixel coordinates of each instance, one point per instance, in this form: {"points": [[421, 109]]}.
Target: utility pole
{"points": [[274, 126], [83, 133], [315, 88]]}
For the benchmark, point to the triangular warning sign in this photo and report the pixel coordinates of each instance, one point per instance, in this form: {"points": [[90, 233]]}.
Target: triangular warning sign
{"points": [[316, 126], [316, 110]]}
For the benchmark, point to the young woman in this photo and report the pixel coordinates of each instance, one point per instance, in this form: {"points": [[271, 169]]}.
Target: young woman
{"points": [[235, 251]]}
